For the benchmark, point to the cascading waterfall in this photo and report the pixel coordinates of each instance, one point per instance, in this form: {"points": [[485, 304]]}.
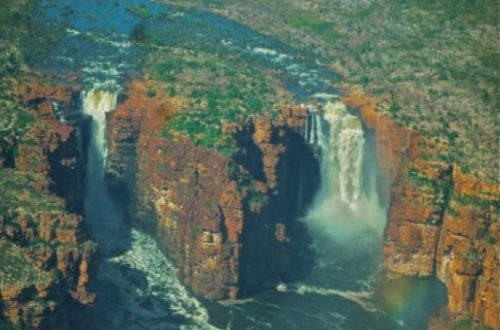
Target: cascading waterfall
{"points": [[96, 103], [347, 201], [136, 285], [314, 133], [343, 154], [101, 213]]}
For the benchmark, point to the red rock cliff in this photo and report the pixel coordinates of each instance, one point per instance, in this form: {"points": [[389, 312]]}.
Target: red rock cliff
{"points": [[193, 200]]}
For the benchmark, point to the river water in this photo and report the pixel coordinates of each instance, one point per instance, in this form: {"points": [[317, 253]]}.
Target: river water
{"points": [[137, 286]]}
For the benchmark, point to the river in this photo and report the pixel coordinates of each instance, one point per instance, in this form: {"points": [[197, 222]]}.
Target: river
{"points": [[137, 286]]}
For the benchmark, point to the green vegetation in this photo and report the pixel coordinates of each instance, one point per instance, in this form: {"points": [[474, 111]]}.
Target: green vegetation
{"points": [[195, 232], [16, 268], [441, 188], [15, 120], [23, 41], [313, 23], [472, 200], [229, 245], [221, 89], [473, 254], [468, 324], [7, 325], [490, 239], [246, 185], [17, 194], [451, 211], [415, 177], [140, 11]]}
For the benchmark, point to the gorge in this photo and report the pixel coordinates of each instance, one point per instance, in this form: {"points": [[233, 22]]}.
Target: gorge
{"points": [[299, 206]]}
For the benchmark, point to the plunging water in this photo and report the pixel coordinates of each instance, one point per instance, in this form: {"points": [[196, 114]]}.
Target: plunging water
{"points": [[347, 203]]}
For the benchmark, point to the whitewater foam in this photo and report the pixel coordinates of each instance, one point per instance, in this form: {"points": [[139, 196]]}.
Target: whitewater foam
{"points": [[362, 298], [162, 283]]}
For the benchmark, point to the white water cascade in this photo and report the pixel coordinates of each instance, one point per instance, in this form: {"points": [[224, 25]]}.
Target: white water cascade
{"points": [[96, 103], [102, 215], [343, 154], [347, 202]]}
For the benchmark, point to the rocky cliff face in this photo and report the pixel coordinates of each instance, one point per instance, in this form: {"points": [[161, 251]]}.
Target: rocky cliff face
{"points": [[47, 255], [440, 222], [206, 209], [52, 145]]}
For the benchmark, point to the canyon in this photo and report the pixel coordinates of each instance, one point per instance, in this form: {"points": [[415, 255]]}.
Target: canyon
{"points": [[236, 184], [199, 205]]}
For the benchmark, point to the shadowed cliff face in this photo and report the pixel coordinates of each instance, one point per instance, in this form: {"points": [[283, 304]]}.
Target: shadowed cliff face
{"points": [[440, 222], [288, 174]]}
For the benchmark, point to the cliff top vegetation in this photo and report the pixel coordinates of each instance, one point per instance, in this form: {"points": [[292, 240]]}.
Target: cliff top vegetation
{"points": [[217, 89], [434, 65]]}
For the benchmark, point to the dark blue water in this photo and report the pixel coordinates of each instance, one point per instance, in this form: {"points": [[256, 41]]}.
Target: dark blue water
{"points": [[138, 288]]}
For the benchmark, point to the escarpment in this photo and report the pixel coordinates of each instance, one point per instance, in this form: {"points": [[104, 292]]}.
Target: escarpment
{"points": [[206, 209], [441, 222], [48, 257]]}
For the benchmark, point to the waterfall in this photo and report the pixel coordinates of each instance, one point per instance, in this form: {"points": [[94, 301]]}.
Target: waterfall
{"points": [[96, 103], [105, 218], [343, 153], [347, 200]]}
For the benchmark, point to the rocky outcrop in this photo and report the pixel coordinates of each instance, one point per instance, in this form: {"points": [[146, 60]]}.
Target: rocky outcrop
{"points": [[468, 258], [205, 208], [47, 256], [47, 259], [440, 221], [52, 145]]}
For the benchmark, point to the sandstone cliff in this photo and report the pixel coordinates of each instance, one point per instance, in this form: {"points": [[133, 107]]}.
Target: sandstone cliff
{"points": [[206, 209], [440, 221]]}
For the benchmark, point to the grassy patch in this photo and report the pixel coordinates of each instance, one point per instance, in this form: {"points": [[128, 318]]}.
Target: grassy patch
{"points": [[17, 194], [15, 268], [437, 59], [220, 89]]}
